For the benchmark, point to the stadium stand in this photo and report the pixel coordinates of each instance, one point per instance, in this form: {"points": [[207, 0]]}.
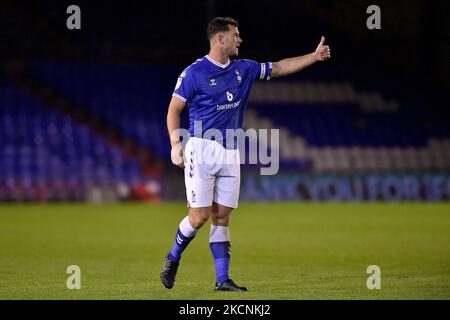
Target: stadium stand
{"points": [[131, 99], [47, 156], [325, 127], [343, 130]]}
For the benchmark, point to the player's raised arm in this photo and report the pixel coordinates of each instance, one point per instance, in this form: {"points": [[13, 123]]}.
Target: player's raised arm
{"points": [[292, 65], [176, 105]]}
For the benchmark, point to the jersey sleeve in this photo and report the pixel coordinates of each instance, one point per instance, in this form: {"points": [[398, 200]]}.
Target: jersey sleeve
{"points": [[184, 89], [260, 71]]}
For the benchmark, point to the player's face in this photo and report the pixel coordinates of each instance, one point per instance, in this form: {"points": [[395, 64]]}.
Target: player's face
{"points": [[232, 41]]}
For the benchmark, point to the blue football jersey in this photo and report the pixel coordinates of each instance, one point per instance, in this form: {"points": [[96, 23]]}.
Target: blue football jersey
{"points": [[216, 94]]}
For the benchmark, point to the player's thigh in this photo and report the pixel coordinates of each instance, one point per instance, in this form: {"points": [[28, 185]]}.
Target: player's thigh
{"points": [[227, 191], [228, 182], [198, 179], [199, 191]]}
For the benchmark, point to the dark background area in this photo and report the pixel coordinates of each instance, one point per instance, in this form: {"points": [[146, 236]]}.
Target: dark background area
{"points": [[110, 83], [412, 45], [83, 120]]}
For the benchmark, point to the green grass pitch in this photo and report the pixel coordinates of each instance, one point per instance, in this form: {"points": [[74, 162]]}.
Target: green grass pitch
{"points": [[280, 251]]}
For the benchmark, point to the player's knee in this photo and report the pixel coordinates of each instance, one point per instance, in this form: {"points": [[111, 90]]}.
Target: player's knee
{"points": [[198, 222], [220, 221], [198, 217], [220, 218]]}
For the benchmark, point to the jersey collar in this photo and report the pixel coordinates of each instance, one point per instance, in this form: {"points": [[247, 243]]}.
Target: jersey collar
{"points": [[223, 66]]}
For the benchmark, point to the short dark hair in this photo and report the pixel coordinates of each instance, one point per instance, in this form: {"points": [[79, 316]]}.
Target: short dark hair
{"points": [[219, 24]]}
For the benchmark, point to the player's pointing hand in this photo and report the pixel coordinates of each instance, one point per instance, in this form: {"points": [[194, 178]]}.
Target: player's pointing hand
{"points": [[323, 52]]}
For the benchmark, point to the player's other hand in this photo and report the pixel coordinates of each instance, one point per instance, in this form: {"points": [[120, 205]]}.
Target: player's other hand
{"points": [[176, 155], [322, 52]]}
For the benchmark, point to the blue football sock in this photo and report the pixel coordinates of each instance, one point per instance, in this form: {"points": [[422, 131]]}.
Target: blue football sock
{"points": [[184, 236], [221, 254], [219, 243]]}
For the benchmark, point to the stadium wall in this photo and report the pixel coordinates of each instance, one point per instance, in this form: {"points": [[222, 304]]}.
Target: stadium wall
{"points": [[372, 187]]}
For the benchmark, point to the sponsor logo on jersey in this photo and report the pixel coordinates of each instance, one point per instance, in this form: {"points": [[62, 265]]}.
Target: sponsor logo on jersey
{"points": [[212, 82], [228, 105]]}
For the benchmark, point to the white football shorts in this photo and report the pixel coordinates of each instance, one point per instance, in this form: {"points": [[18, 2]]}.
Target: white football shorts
{"points": [[212, 173]]}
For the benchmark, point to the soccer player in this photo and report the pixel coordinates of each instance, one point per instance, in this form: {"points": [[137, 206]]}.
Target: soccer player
{"points": [[215, 89]]}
